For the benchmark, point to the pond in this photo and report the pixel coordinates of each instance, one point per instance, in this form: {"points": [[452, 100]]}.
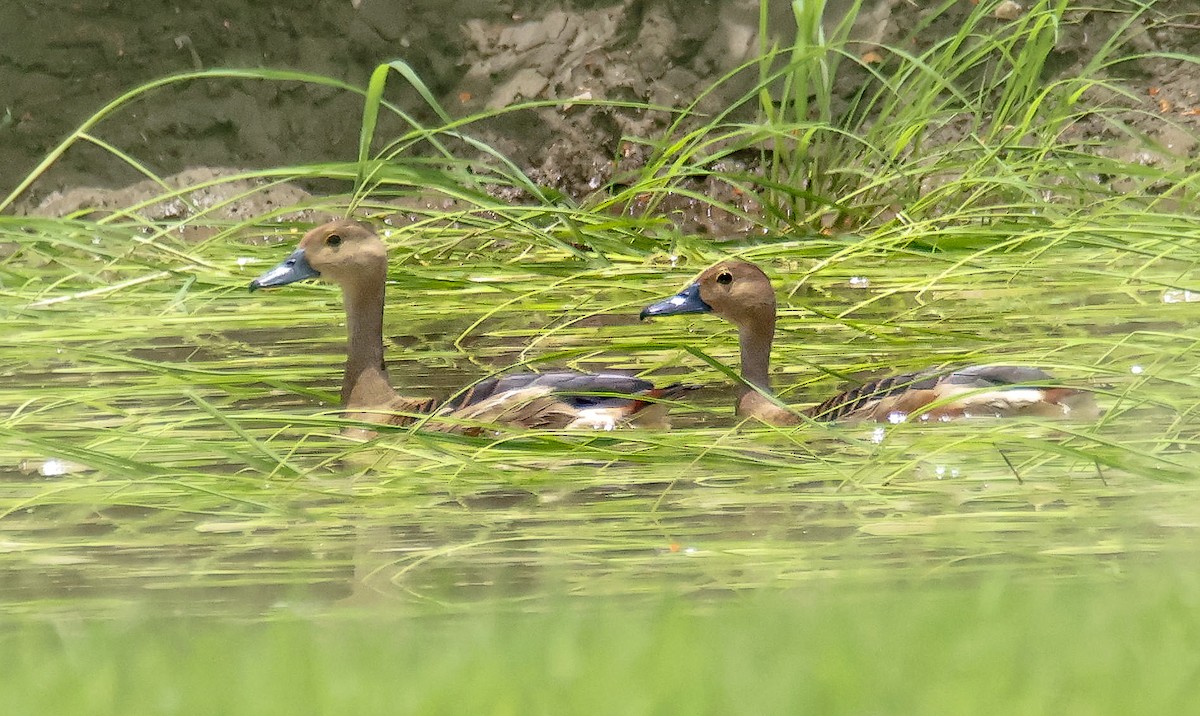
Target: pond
{"points": [[172, 448], [197, 470], [187, 527]]}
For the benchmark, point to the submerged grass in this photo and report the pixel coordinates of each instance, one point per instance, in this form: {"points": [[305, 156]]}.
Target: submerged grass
{"points": [[170, 440]]}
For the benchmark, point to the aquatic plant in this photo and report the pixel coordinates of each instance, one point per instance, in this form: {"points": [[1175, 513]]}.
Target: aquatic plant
{"points": [[165, 430]]}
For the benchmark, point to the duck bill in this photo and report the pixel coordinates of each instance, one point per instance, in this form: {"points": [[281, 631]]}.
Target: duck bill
{"points": [[292, 269], [686, 301]]}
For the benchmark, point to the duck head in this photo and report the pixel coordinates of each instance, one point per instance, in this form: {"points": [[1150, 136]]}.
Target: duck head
{"points": [[341, 252], [737, 291]]}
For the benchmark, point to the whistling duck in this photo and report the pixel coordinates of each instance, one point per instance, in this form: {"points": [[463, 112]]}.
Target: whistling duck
{"points": [[741, 293], [352, 256]]}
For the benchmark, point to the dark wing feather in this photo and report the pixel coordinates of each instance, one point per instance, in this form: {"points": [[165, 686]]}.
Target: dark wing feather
{"points": [[971, 377], [845, 403], [993, 376], [574, 388]]}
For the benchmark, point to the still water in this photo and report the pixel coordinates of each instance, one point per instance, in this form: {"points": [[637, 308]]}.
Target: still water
{"points": [[195, 463]]}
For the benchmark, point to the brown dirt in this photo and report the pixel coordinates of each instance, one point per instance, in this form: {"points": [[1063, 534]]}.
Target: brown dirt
{"points": [[61, 62]]}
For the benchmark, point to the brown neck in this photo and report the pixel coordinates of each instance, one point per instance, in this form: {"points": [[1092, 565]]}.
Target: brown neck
{"points": [[755, 337], [365, 383]]}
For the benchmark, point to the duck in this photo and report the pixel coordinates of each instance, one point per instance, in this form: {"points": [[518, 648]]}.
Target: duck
{"points": [[741, 293], [351, 255]]}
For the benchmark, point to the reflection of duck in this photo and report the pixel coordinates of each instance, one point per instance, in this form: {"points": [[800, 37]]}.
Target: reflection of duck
{"points": [[353, 257], [742, 294]]}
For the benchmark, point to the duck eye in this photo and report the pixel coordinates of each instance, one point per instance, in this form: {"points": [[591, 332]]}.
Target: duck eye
{"points": [[725, 278], [333, 240]]}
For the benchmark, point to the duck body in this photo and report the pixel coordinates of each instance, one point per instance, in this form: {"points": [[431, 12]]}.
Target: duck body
{"points": [[997, 391], [352, 256], [742, 294], [565, 400]]}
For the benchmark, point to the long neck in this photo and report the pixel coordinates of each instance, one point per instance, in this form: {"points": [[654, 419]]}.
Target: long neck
{"points": [[365, 383], [755, 337]]}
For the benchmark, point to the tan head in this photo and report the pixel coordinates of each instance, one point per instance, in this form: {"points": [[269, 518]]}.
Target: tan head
{"points": [[737, 291], [343, 252]]}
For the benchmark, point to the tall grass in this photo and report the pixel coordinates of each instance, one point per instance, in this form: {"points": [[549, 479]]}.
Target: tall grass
{"points": [[135, 354], [972, 128]]}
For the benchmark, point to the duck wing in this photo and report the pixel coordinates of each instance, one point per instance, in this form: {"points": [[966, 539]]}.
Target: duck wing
{"points": [[563, 399], [577, 388], [981, 390]]}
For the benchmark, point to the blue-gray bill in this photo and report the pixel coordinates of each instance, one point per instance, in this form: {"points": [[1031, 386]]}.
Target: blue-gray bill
{"points": [[686, 301], [292, 269]]}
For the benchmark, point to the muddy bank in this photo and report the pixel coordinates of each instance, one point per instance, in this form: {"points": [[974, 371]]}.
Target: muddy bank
{"points": [[60, 63]]}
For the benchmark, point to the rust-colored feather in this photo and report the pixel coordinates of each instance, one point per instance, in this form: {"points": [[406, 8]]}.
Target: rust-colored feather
{"points": [[742, 294], [856, 400], [353, 257]]}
